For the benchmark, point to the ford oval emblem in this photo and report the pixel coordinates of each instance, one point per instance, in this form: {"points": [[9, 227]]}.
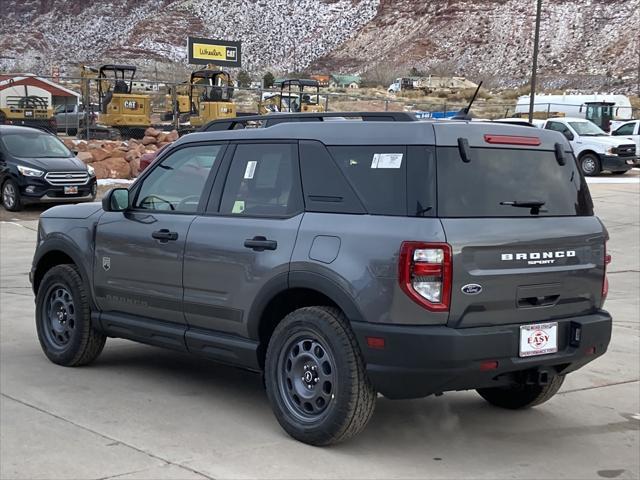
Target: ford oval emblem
{"points": [[471, 289]]}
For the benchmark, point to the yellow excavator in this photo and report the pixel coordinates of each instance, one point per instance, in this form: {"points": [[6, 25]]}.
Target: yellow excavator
{"points": [[120, 109], [211, 92], [208, 96]]}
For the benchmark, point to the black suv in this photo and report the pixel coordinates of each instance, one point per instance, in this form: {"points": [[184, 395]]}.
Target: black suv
{"points": [[36, 167], [341, 258]]}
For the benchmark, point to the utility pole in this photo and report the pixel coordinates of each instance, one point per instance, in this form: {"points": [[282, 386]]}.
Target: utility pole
{"points": [[534, 71]]}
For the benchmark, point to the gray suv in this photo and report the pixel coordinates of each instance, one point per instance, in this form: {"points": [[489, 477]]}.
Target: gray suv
{"points": [[341, 259]]}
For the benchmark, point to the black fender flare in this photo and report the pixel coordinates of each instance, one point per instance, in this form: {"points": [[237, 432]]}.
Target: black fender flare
{"points": [[70, 249], [300, 279]]}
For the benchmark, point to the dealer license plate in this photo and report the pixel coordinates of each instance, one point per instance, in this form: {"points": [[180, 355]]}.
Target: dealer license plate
{"points": [[70, 190], [538, 339]]}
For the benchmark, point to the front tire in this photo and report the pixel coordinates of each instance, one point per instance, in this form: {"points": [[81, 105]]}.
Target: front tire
{"points": [[520, 396], [63, 319], [315, 377], [11, 196], [590, 165]]}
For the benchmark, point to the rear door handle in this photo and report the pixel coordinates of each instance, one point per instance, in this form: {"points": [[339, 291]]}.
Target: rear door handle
{"points": [[260, 244], [164, 235]]}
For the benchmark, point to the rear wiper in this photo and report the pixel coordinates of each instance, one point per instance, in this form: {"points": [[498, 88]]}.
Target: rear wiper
{"points": [[525, 204], [534, 205]]}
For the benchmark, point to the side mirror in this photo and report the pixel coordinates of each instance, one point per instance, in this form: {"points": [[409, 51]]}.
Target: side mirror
{"points": [[116, 200], [568, 134]]}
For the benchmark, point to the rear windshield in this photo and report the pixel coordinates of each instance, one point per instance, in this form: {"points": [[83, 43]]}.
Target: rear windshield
{"points": [[509, 183], [34, 145]]}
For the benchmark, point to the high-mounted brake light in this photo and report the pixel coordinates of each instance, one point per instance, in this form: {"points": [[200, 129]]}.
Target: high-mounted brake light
{"points": [[512, 140], [424, 274]]}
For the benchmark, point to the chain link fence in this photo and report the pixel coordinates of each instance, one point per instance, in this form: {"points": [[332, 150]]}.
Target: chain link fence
{"points": [[122, 110]]}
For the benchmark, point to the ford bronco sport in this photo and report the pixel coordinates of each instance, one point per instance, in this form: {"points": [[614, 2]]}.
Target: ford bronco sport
{"points": [[341, 259]]}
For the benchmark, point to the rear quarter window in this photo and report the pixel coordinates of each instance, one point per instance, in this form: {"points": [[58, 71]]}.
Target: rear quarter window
{"points": [[481, 187], [378, 174]]}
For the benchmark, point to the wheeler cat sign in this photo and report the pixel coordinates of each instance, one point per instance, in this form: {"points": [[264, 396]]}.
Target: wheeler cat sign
{"points": [[217, 52]]}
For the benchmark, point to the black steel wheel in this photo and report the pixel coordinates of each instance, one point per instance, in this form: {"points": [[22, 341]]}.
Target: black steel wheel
{"points": [[63, 318], [59, 315], [306, 377], [315, 377]]}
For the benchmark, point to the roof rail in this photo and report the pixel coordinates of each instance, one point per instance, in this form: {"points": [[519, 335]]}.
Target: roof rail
{"points": [[275, 118]]}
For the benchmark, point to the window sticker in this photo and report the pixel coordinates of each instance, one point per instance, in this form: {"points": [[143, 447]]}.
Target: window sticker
{"points": [[250, 170], [386, 160], [238, 206]]}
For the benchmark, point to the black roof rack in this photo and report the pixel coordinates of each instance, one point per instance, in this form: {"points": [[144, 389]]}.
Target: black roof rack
{"points": [[274, 119]]}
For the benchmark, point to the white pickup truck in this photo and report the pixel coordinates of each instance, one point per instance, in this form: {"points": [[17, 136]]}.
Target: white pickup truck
{"points": [[596, 150], [629, 130]]}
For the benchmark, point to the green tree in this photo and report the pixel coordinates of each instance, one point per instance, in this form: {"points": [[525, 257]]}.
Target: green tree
{"points": [[268, 79], [414, 72], [244, 79]]}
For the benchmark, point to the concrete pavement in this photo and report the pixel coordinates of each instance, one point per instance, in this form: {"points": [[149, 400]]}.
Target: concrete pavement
{"points": [[140, 412]]}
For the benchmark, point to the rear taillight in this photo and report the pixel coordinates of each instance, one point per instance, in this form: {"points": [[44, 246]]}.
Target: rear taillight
{"points": [[425, 274], [605, 280]]}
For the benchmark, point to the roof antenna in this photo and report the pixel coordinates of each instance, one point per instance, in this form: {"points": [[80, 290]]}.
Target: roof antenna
{"points": [[464, 113]]}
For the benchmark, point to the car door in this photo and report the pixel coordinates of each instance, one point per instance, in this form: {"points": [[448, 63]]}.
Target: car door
{"points": [[574, 139], [243, 244], [139, 252], [631, 131]]}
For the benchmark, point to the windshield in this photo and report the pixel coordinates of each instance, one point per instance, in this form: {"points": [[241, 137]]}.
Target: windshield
{"points": [[587, 129], [34, 145]]}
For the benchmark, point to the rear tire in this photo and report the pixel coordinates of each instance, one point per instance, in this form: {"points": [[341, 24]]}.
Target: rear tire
{"points": [[590, 165], [63, 319], [11, 196], [520, 396], [315, 377]]}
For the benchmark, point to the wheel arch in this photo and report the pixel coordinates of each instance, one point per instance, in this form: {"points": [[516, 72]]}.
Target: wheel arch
{"points": [[287, 293], [58, 252], [589, 152]]}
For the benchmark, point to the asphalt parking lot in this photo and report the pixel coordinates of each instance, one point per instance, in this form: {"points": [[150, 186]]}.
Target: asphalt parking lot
{"points": [[140, 412]]}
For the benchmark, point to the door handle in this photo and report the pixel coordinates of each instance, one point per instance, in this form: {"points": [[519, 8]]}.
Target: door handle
{"points": [[260, 244], [164, 235]]}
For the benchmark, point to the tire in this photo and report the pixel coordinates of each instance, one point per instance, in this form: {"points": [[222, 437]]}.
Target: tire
{"points": [[11, 196], [63, 319], [590, 165], [313, 356], [521, 396], [619, 172]]}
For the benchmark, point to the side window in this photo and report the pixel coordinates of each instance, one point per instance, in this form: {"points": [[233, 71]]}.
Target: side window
{"points": [[555, 126], [177, 183], [625, 129], [378, 174], [263, 180]]}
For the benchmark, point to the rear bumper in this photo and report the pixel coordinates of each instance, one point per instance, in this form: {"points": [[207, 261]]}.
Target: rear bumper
{"points": [[617, 163], [417, 361]]}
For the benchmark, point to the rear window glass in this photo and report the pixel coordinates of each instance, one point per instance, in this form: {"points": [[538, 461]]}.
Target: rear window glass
{"points": [[378, 174], [506, 182]]}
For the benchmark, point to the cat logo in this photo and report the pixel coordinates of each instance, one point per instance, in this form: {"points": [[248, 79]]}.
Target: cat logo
{"points": [[130, 104], [106, 263]]}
